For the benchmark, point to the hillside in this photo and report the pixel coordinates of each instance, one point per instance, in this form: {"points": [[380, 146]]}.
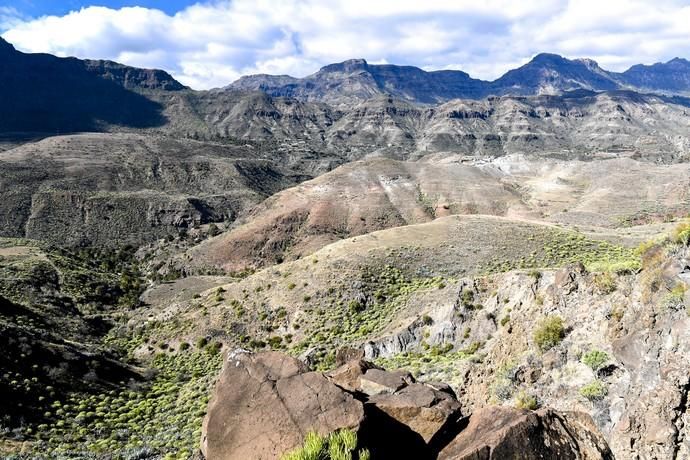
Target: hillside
{"points": [[376, 194], [47, 94], [119, 189]]}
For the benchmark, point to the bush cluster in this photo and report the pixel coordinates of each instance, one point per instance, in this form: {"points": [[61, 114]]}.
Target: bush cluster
{"points": [[549, 333]]}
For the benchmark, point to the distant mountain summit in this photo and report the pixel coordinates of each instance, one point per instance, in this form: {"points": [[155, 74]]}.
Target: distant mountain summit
{"points": [[133, 77], [672, 76], [356, 80], [553, 74]]}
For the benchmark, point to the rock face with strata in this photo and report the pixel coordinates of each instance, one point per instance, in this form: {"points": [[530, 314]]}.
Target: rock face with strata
{"points": [[265, 403]]}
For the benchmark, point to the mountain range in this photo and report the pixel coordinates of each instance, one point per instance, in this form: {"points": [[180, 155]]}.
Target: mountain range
{"points": [[68, 94], [544, 74]]}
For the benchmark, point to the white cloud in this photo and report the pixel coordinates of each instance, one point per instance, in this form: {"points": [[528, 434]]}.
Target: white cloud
{"points": [[210, 44]]}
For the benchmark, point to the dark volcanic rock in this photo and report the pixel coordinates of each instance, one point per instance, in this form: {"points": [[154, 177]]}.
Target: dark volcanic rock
{"points": [[502, 433], [264, 404], [424, 410]]}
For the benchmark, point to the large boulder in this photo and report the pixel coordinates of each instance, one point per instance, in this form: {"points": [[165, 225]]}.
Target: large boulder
{"points": [[263, 405], [378, 381], [423, 409], [495, 433], [349, 375]]}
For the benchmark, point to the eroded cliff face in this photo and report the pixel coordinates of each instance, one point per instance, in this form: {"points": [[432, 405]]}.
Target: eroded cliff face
{"points": [[118, 189], [623, 357]]}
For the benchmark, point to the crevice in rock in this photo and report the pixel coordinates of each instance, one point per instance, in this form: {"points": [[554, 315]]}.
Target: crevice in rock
{"points": [[678, 420], [449, 431]]}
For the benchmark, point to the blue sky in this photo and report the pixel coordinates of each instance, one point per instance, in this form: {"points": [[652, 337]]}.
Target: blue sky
{"points": [[207, 44], [37, 8]]}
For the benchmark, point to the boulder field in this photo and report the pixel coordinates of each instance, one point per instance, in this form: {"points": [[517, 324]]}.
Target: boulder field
{"points": [[264, 404]]}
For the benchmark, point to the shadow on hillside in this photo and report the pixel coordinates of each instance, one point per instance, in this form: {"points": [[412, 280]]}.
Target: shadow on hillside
{"points": [[43, 93]]}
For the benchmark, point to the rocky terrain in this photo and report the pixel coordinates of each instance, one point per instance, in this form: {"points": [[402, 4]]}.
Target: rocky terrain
{"points": [[178, 268], [119, 189], [264, 403]]}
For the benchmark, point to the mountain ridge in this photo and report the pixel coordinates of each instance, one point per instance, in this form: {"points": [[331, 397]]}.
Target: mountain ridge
{"points": [[46, 93], [545, 73]]}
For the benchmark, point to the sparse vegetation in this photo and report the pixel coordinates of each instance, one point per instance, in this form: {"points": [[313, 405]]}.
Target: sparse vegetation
{"points": [[681, 234], [549, 333], [605, 282], [595, 359], [339, 445], [676, 297], [594, 391], [523, 400], [163, 417]]}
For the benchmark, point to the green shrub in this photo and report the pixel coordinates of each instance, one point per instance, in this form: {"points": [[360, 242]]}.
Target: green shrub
{"points": [[681, 235], [605, 282], [549, 333], [184, 346], [505, 320], [275, 342], [339, 445], [213, 230], [472, 349], [676, 296], [595, 359], [526, 401], [214, 347], [467, 299], [355, 306], [201, 342], [594, 391]]}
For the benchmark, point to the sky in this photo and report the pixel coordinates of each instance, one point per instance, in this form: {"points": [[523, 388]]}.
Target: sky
{"points": [[207, 44]]}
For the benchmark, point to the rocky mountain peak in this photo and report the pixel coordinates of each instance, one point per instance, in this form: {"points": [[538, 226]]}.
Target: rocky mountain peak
{"points": [[132, 77], [672, 76], [549, 58], [349, 66], [679, 62]]}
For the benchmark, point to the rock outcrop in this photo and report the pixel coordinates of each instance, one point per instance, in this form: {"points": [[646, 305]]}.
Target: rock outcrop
{"points": [[501, 433], [264, 404]]}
